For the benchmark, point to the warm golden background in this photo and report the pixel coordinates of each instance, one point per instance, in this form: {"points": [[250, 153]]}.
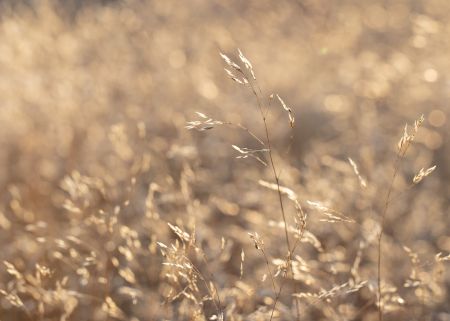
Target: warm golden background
{"points": [[95, 158]]}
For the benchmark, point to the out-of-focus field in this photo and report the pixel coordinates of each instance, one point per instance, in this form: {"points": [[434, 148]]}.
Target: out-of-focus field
{"points": [[96, 160]]}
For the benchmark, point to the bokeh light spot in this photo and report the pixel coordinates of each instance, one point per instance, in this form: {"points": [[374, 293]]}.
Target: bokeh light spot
{"points": [[430, 75], [437, 118]]}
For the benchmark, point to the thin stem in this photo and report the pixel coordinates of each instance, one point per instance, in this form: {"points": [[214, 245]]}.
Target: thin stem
{"points": [[280, 198], [398, 159], [278, 296], [211, 277], [247, 130], [272, 165], [255, 89], [269, 270]]}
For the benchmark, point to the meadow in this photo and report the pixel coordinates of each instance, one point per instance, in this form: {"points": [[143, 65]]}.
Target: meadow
{"points": [[224, 160]]}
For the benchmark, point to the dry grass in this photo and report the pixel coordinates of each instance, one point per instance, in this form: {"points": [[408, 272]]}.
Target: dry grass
{"points": [[140, 183]]}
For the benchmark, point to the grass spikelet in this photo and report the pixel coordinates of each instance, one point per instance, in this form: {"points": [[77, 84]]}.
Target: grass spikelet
{"points": [[332, 216], [289, 111], [422, 174], [362, 181]]}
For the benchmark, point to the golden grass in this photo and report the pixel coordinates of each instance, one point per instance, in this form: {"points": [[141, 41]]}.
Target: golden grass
{"points": [[139, 183]]}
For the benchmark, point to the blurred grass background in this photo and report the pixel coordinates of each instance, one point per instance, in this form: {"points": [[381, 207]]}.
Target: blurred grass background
{"points": [[105, 88]]}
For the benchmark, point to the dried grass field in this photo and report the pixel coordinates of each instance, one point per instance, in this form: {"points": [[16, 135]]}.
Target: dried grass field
{"points": [[141, 181]]}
